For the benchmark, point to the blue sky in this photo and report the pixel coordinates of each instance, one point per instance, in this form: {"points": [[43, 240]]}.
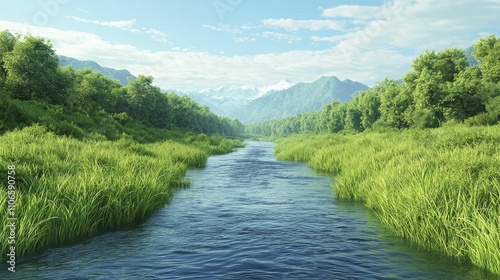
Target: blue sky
{"points": [[191, 45]]}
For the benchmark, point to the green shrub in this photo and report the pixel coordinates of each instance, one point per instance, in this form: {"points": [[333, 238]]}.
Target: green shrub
{"points": [[424, 118], [482, 119], [67, 129]]}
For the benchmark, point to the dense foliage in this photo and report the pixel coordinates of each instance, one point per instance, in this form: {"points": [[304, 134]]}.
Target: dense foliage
{"points": [[34, 89], [442, 87], [86, 154], [439, 188]]}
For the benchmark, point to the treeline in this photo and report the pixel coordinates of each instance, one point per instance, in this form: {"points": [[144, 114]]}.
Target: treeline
{"points": [[31, 81], [442, 87]]}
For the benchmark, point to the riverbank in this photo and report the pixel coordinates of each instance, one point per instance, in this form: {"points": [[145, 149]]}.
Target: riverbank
{"points": [[63, 188], [438, 188]]}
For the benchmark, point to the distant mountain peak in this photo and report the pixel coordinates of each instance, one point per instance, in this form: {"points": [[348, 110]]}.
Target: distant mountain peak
{"points": [[244, 92], [228, 92], [120, 75], [301, 98], [328, 78], [470, 58], [276, 101], [282, 85]]}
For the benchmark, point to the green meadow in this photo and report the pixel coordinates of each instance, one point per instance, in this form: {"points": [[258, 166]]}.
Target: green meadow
{"points": [[68, 188], [437, 188]]}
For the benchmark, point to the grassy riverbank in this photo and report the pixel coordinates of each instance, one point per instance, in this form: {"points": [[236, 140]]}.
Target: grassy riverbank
{"points": [[80, 152], [438, 188], [67, 188]]}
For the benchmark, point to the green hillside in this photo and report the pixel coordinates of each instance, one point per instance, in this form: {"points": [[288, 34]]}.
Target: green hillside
{"points": [[301, 98]]}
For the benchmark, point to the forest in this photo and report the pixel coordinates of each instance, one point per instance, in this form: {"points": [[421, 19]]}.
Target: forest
{"points": [[441, 88], [80, 103]]}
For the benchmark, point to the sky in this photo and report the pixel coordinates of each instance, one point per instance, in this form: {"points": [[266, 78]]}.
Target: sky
{"points": [[195, 44]]}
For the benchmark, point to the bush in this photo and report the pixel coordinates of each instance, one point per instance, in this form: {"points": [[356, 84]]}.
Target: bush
{"points": [[424, 118], [482, 119], [382, 126], [122, 118], [68, 129], [190, 137]]}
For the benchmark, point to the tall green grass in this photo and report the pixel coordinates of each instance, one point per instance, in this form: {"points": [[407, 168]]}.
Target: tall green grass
{"points": [[67, 188], [438, 188]]}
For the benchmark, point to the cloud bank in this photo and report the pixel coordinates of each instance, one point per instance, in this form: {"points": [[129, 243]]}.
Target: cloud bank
{"points": [[367, 43]]}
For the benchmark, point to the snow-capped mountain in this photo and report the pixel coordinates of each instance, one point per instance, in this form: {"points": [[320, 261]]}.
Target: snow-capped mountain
{"points": [[301, 98], [230, 101], [228, 92], [275, 101], [242, 93], [285, 84]]}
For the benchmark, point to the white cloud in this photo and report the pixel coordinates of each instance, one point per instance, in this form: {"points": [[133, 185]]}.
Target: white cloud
{"points": [[379, 46], [223, 28], [244, 39], [281, 36], [127, 25], [332, 39], [293, 24], [197, 70], [353, 11], [425, 24], [157, 35]]}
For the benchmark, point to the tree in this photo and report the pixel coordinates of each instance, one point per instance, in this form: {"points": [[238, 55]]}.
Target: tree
{"points": [[7, 43], [93, 91], [491, 94], [465, 96], [428, 82], [487, 52], [369, 106], [33, 71], [352, 120], [393, 103], [335, 113], [148, 104]]}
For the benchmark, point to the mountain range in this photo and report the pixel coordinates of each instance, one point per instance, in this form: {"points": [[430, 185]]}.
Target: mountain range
{"points": [[277, 101], [120, 75], [230, 101], [248, 104]]}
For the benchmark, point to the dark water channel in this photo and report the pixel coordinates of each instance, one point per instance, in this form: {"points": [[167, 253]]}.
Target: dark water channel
{"points": [[248, 216]]}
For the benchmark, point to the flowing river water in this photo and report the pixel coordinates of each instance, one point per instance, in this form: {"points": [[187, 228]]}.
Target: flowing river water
{"points": [[248, 216]]}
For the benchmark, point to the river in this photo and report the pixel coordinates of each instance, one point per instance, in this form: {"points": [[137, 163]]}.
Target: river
{"points": [[248, 216]]}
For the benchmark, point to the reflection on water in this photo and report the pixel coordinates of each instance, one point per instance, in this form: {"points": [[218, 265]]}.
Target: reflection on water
{"points": [[248, 216]]}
